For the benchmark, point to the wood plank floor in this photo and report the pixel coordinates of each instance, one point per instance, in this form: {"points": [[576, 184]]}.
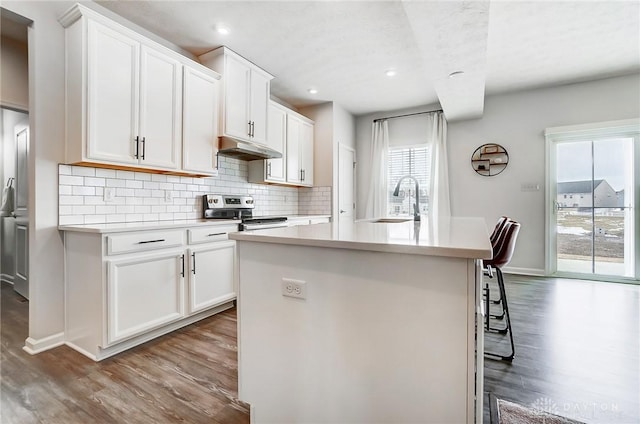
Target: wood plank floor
{"points": [[577, 349], [190, 375], [577, 352]]}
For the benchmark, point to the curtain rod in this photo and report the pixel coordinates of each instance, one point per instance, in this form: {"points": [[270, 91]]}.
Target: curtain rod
{"points": [[408, 114]]}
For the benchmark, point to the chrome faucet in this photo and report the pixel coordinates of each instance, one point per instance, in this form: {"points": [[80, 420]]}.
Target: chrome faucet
{"points": [[416, 207]]}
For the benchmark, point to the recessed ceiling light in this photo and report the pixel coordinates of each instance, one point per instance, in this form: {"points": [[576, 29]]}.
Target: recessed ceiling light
{"points": [[390, 73], [312, 91], [222, 29], [456, 74]]}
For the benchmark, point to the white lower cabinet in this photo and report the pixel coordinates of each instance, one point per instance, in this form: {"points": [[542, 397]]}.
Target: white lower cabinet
{"points": [[143, 293], [211, 275], [123, 289]]}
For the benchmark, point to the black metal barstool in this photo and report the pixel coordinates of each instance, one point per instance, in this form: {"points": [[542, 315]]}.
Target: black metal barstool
{"points": [[501, 257]]}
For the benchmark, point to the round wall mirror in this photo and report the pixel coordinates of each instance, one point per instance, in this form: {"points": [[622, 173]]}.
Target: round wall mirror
{"points": [[489, 159]]}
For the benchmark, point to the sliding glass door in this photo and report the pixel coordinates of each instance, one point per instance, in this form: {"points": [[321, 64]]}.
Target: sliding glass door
{"points": [[593, 190]]}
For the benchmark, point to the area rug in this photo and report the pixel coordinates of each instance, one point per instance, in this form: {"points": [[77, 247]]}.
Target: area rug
{"points": [[506, 412]]}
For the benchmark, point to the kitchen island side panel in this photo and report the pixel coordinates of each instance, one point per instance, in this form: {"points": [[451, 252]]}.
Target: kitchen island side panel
{"points": [[380, 337]]}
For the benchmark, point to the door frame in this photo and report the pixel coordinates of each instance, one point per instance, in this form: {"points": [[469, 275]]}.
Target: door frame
{"points": [[622, 128]]}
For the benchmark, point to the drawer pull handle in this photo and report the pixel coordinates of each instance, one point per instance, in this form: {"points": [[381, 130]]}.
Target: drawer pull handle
{"points": [[193, 255], [151, 241], [182, 273], [215, 234]]}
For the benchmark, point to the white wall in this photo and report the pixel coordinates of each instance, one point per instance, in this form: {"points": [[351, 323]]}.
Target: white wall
{"points": [[517, 121], [14, 87]]}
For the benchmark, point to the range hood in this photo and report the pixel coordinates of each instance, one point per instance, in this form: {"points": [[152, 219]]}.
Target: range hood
{"points": [[245, 151]]}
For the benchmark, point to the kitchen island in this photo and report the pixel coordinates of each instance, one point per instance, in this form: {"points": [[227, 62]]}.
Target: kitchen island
{"points": [[369, 322]]}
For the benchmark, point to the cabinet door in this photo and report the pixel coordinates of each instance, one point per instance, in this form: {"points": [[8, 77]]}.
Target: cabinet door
{"points": [[200, 122], [306, 153], [277, 130], [160, 109], [211, 275], [236, 113], [113, 87], [143, 292], [259, 105], [294, 174]]}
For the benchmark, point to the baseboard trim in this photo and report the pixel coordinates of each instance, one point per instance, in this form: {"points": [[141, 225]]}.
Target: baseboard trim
{"points": [[34, 346], [524, 271]]}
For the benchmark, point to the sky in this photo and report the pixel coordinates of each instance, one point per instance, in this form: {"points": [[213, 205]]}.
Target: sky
{"points": [[612, 161]]}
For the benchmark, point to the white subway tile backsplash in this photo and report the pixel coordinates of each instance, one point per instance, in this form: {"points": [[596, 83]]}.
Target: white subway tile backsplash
{"points": [[84, 210], [113, 182], [95, 182], [71, 200], [133, 184], [83, 171], [105, 173], [140, 196], [70, 180], [125, 175], [64, 170], [83, 191], [142, 176]]}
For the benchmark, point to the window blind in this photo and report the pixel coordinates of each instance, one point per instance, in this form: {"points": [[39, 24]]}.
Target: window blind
{"points": [[414, 161]]}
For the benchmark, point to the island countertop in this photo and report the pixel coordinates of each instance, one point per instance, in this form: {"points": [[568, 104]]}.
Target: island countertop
{"points": [[453, 237]]}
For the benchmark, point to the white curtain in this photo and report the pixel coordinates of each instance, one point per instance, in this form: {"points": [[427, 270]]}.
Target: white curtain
{"points": [[439, 203], [376, 205]]}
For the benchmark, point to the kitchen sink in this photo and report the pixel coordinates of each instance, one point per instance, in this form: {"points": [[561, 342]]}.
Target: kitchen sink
{"points": [[391, 220]]}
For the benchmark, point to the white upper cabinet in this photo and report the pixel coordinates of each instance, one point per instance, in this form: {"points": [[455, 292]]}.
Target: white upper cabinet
{"points": [[200, 122], [124, 103], [294, 169], [276, 139], [292, 134], [299, 151], [244, 98], [306, 153], [113, 95], [160, 109]]}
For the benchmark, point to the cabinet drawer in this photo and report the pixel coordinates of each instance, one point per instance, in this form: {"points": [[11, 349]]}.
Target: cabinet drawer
{"points": [[209, 234], [139, 242]]}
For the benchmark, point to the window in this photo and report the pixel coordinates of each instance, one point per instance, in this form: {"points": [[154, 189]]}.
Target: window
{"points": [[414, 161]]}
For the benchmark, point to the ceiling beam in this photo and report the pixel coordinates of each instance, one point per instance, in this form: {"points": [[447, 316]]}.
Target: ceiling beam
{"points": [[452, 36]]}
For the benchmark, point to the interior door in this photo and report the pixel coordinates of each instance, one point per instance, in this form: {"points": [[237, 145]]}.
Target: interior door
{"points": [[160, 107], [346, 164]]}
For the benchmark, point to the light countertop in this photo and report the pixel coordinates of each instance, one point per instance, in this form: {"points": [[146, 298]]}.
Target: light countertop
{"points": [[162, 225], [452, 237]]}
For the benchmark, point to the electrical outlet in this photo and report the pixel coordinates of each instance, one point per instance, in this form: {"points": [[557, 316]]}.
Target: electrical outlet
{"points": [[168, 196], [109, 194], [294, 288]]}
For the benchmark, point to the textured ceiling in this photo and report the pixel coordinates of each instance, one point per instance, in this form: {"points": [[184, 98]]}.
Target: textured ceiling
{"points": [[343, 48]]}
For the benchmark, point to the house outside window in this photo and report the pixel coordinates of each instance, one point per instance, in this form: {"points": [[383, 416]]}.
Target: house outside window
{"points": [[408, 160]]}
